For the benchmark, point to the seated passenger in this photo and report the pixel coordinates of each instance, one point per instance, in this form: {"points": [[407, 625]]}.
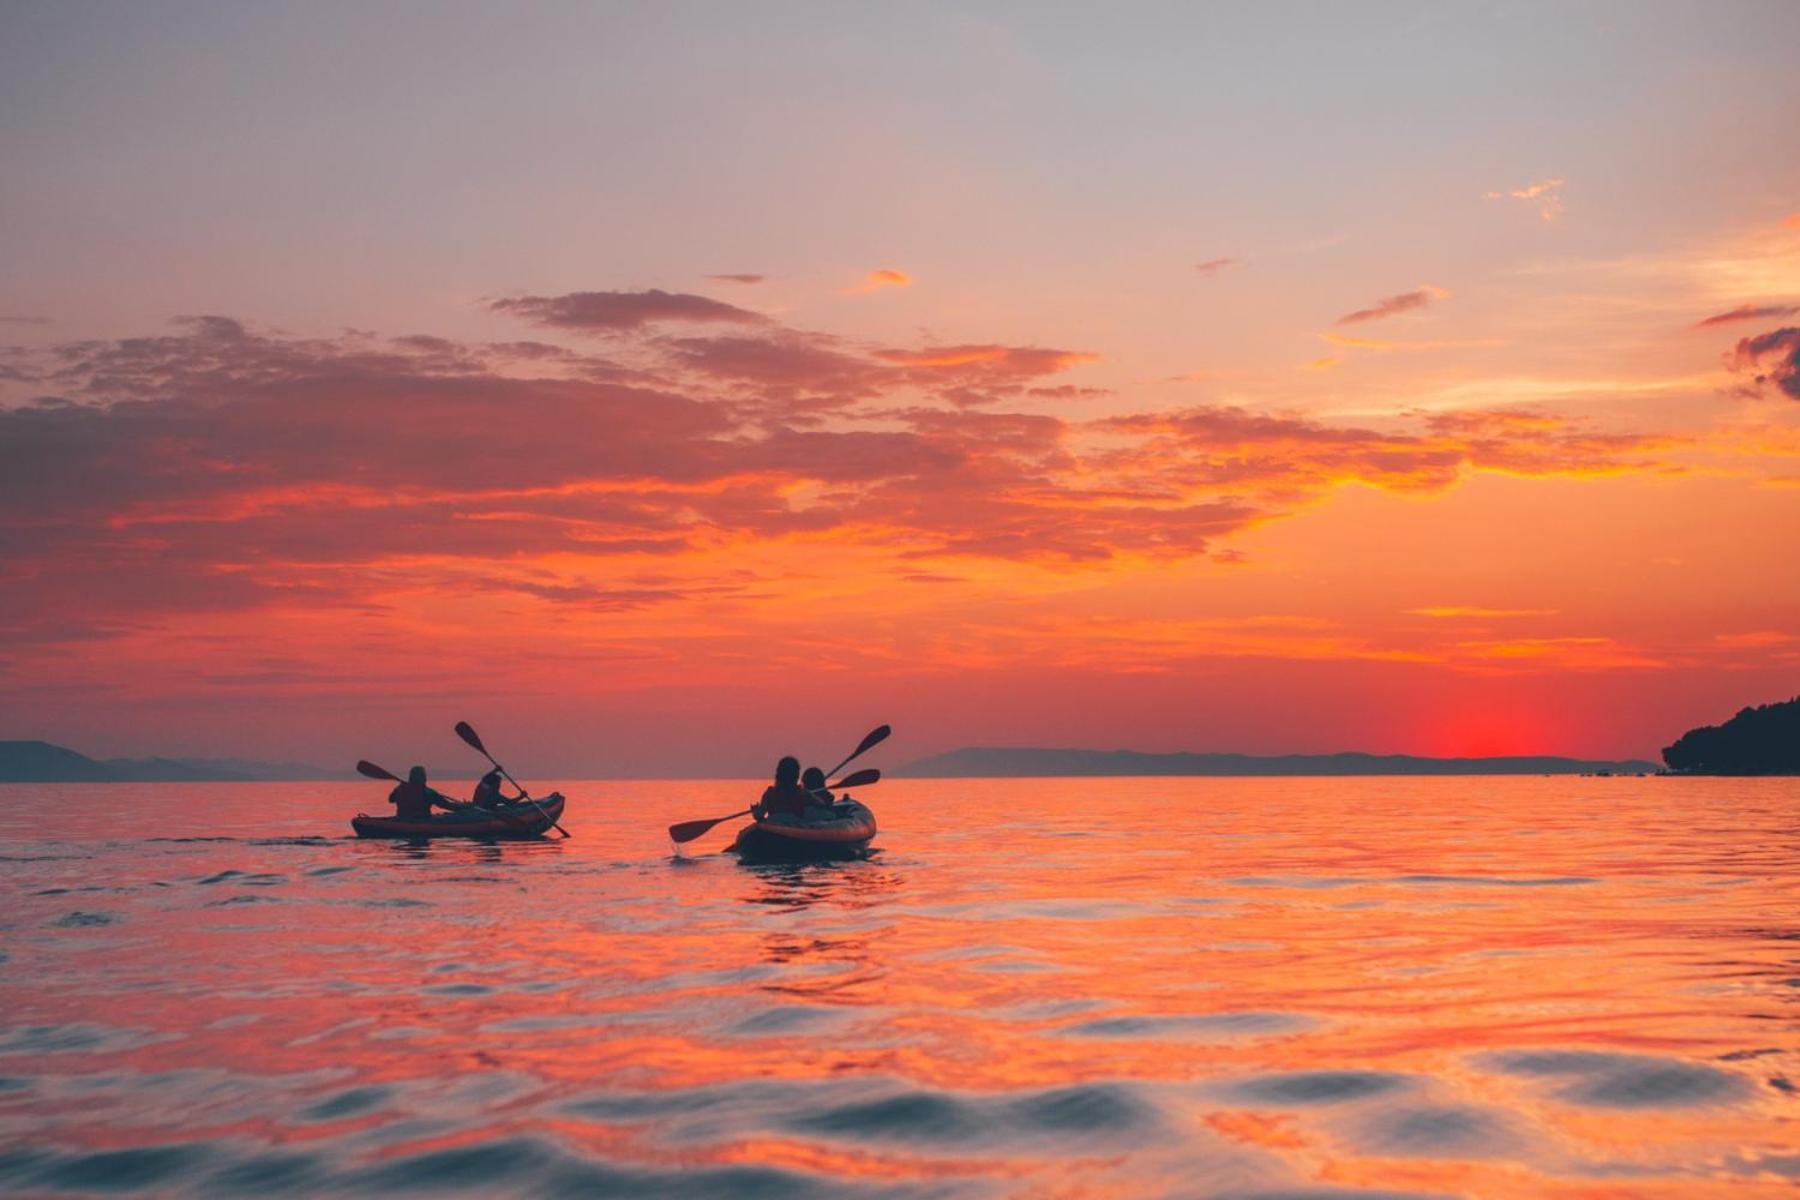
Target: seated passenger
{"points": [[818, 797], [413, 800], [785, 795], [488, 794], [813, 780]]}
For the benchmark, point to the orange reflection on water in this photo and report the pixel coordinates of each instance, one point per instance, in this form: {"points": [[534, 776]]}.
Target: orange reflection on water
{"points": [[1476, 987]]}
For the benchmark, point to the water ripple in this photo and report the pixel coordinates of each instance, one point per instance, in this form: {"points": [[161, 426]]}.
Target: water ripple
{"points": [[1623, 1081]]}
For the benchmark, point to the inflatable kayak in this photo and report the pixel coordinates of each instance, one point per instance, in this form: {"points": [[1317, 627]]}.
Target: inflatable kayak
{"points": [[842, 831], [508, 821]]}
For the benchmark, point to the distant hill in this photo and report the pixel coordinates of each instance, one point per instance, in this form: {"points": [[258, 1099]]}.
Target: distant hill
{"points": [[1000, 761], [1758, 741], [42, 762]]}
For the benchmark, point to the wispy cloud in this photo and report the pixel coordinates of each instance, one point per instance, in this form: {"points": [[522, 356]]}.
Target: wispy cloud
{"points": [[1545, 195], [1756, 639], [740, 278], [1383, 344], [1749, 312], [1562, 653], [1213, 266], [24, 320], [1450, 612], [1389, 306], [611, 311], [881, 277]]}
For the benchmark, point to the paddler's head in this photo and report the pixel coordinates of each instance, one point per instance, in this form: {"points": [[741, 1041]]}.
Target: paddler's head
{"points": [[813, 780], [416, 775], [787, 772]]}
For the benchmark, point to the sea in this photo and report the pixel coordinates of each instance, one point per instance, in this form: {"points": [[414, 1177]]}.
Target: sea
{"points": [[1225, 989]]}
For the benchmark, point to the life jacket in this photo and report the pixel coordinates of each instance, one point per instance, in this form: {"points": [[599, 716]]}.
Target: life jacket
{"points": [[411, 801], [789, 799]]}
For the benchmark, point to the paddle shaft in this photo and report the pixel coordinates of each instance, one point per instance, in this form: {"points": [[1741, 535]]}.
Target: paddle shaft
{"points": [[504, 775]]}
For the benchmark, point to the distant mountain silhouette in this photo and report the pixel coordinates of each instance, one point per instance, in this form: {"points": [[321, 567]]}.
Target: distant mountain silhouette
{"points": [[992, 761], [43, 762], [1758, 741]]}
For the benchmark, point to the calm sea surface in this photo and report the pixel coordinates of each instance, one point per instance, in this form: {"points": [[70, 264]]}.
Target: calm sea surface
{"points": [[1266, 988]]}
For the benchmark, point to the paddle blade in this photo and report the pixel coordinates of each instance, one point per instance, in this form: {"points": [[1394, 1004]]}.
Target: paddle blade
{"points": [[687, 831], [862, 778], [468, 734], [365, 767], [875, 738]]}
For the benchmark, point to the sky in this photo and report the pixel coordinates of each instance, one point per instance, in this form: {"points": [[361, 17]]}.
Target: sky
{"points": [[663, 388]]}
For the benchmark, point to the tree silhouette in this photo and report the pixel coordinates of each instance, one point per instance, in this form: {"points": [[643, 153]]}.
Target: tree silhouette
{"points": [[1758, 741]]}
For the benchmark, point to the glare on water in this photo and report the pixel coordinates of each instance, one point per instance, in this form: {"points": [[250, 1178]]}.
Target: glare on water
{"points": [[1097, 988]]}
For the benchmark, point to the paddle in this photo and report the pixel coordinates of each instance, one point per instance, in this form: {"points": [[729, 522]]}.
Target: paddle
{"points": [[862, 778], [468, 734], [876, 736], [687, 831]]}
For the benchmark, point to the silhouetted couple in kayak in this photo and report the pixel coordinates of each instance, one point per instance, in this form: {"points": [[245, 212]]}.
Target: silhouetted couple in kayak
{"points": [[414, 799], [794, 792]]}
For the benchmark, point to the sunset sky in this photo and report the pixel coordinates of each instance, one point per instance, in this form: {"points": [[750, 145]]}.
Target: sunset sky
{"points": [[664, 387]]}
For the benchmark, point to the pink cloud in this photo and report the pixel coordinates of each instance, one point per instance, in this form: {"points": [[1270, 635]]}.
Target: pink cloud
{"points": [[219, 468], [1545, 194], [1390, 305], [1748, 312], [1213, 266], [742, 278]]}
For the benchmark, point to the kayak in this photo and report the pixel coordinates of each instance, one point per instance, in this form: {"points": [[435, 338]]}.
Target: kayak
{"points": [[521, 820], [844, 833]]}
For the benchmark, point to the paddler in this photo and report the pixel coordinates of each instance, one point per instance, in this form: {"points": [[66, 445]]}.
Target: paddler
{"points": [[414, 800], [785, 795], [813, 780], [817, 794], [488, 794]]}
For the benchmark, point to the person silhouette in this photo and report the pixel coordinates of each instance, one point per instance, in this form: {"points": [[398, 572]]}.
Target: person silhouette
{"points": [[785, 795], [414, 799]]}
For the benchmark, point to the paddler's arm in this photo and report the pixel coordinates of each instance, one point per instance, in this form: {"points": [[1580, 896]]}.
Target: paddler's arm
{"points": [[433, 796]]}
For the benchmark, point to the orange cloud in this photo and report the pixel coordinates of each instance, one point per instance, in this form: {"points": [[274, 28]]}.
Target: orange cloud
{"points": [[976, 374], [1545, 193], [738, 278], [1760, 639], [883, 277], [1559, 653], [1390, 305]]}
